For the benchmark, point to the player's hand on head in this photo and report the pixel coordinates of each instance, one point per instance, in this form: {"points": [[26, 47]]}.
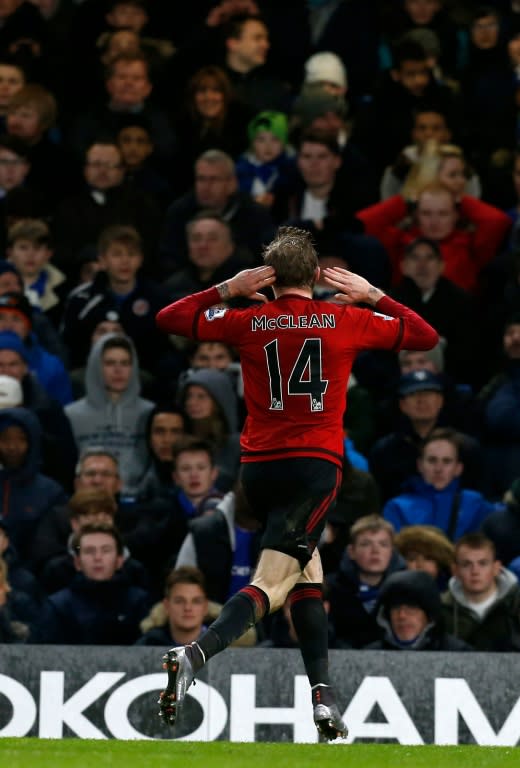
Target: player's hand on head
{"points": [[249, 282], [352, 288]]}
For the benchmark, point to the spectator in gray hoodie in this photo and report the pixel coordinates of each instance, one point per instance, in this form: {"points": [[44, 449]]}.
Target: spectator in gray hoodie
{"points": [[112, 414], [209, 401]]}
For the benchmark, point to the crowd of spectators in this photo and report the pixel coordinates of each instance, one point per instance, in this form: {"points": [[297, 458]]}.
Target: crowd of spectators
{"points": [[148, 151]]}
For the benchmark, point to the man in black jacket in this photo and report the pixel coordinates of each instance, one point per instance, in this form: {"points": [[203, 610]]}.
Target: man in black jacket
{"points": [[354, 589], [216, 187], [447, 307]]}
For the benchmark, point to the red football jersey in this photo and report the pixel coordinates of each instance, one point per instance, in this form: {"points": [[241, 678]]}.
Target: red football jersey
{"points": [[296, 355]]}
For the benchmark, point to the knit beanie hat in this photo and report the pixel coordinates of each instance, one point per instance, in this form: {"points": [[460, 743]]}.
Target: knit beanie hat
{"points": [[415, 588], [19, 304], [325, 67], [274, 122]]}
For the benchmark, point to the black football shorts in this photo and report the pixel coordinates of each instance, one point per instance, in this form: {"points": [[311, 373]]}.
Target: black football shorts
{"points": [[291, 499]]}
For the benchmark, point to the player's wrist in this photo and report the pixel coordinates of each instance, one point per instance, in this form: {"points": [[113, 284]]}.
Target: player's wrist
{"points": [[224, 290], [374, 295]]}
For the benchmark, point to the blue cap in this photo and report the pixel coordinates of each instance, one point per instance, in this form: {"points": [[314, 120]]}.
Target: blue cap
{"points": [[419, 381], [11, 340]]}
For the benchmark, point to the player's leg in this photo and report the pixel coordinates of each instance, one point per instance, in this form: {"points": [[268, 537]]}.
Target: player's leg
{"points": [[290, 498], [311, 626], [275, 575]]}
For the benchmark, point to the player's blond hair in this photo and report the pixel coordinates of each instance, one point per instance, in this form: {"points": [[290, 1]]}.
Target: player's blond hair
{"points": [[293, 256]]}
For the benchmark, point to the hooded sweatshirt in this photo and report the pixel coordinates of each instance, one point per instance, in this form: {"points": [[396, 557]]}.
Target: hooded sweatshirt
{"points": [[26, 493], [219, 385], [119, 426], [498, 629]]}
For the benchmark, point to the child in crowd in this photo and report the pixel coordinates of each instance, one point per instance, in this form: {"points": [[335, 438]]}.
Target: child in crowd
{"points": [[266, 170], [119, 287], [29, 249]]}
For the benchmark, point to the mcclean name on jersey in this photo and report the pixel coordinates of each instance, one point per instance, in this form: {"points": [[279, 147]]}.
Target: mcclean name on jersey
{"points": [[263, 323]]}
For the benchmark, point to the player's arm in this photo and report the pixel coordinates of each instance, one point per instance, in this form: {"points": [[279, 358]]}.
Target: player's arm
{"points": [[414, 333], [181, 318]]}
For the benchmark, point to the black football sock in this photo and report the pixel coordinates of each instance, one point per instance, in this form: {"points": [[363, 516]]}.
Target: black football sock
{"points": [[241, 611], [311, 626]]}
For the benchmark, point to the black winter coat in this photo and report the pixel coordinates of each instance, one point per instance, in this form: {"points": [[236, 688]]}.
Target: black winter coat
{"points": [[353, 624]]}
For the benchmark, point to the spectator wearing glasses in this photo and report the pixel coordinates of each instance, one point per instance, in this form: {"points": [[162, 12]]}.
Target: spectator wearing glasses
{"points": [[97, 470], [104, 200], [90, 506]]}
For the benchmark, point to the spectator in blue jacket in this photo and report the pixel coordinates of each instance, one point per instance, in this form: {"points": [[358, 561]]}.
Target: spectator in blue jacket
{"points": [[16, 314], [26, 493], [434, 496], [393, 457]]}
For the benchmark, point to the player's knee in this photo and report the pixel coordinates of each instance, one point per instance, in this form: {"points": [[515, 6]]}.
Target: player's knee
{"points": [[276, 592]]}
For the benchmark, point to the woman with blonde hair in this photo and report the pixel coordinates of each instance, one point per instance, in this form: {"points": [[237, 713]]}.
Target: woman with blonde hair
{"points": [[469, 232], [446, 164]]}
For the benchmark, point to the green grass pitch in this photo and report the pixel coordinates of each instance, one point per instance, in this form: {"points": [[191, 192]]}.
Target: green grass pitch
{"points": [[83, 753]]}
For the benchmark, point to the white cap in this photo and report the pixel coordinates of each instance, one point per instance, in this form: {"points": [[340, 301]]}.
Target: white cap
{"points": [[325, 67], [11, 393]]}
